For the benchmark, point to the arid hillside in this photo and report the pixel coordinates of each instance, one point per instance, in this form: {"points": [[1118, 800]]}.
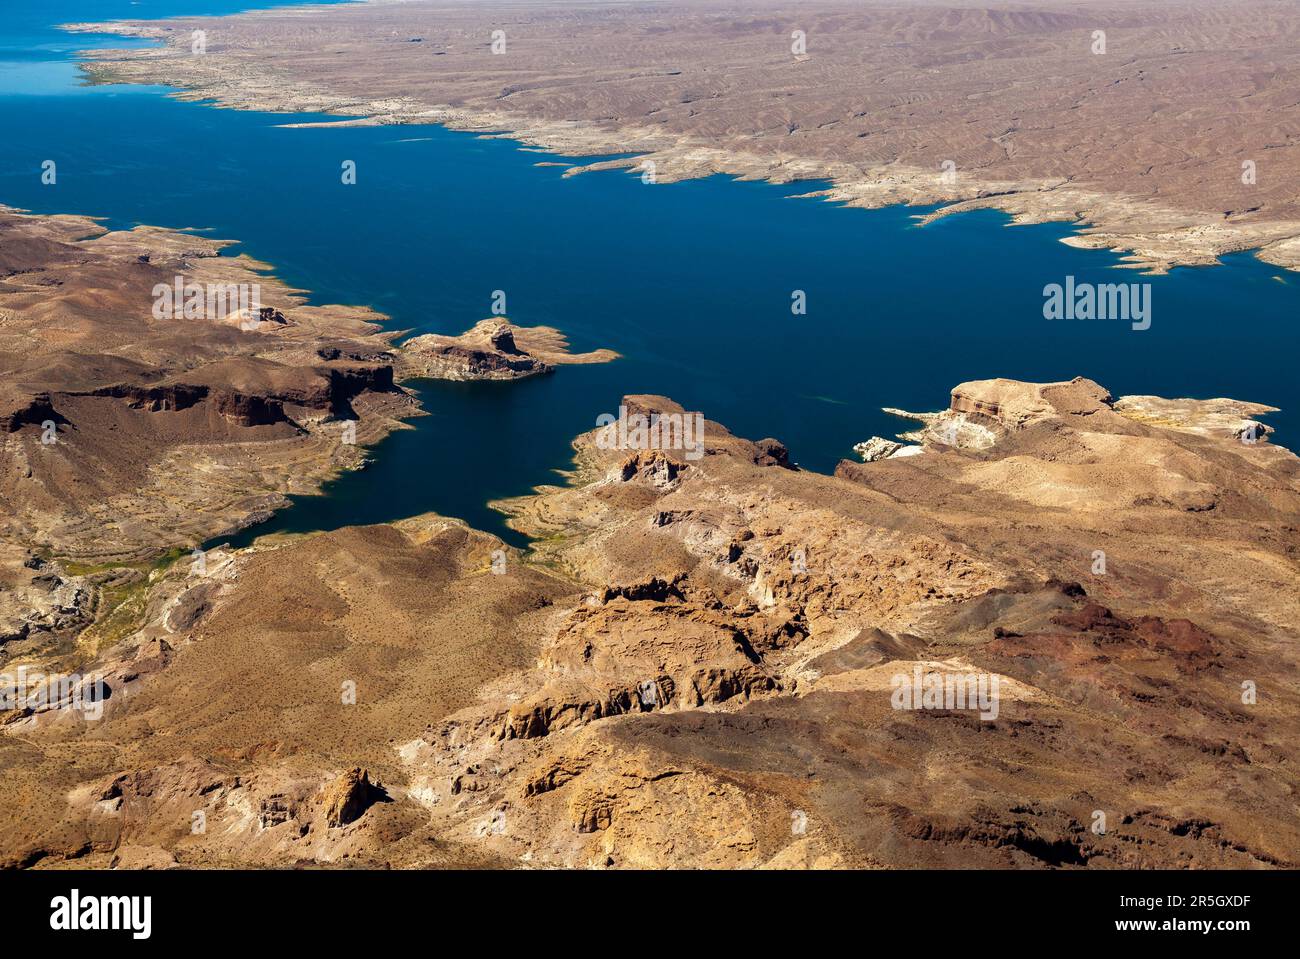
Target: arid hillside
{"points": [[167, 428], [1044, 627], [698, 666]]}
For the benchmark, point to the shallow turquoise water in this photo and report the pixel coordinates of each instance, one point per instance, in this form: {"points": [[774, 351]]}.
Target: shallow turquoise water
{"points": [[691, 282]]}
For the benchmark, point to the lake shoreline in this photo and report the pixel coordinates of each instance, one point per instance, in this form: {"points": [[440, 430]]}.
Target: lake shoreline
{"points": [[1152, 237]]}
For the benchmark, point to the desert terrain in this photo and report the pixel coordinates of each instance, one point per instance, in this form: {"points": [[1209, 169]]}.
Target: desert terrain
{"points": [[131, 436], [697, 662], [693, 666], [1171, 137]]}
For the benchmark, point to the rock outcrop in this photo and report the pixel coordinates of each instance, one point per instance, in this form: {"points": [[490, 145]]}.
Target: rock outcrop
{"points": [[699, 661], [879, 448], [348, 797], [492, 349], [130, 430]]}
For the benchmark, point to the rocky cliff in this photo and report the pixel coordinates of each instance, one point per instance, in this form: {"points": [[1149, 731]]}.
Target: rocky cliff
{"points": [[699, 662]]}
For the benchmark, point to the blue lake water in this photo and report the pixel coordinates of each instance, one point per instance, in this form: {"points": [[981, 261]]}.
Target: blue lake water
{"points": [[691, 282]]}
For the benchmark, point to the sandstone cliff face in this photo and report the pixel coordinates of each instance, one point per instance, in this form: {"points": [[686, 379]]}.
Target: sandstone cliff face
{"points": [[346, 799], [696, 666]]}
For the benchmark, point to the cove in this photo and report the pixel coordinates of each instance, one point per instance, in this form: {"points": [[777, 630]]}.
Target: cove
{"points": [[691, 282]]}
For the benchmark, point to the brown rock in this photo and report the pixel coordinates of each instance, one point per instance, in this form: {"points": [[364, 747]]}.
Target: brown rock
{"points": [[348, 797]]}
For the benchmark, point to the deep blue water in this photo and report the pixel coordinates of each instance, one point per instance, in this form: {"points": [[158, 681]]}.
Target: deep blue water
{"points": [[691, 282]]}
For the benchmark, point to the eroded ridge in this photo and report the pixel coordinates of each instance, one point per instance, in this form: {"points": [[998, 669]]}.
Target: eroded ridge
{"points": [[701, 661]]}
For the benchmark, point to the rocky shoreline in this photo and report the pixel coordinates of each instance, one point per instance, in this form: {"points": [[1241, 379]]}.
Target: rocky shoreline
{"points": [[699, 645], [150, 416], [696, 663], [698, 650], [493, 349], [1126, 212], [131, 434]]}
